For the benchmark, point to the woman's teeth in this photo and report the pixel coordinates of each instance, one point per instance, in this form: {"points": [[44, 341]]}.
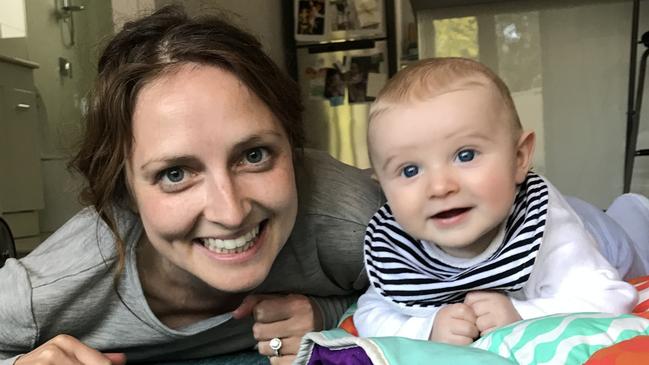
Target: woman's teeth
{"points": [[236, 245]]}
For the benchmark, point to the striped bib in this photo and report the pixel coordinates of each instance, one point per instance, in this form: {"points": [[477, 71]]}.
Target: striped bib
{"points": [[401, 269]]}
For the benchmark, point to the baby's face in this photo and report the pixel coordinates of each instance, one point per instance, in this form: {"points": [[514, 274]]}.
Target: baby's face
{"points": [[449, 167]]}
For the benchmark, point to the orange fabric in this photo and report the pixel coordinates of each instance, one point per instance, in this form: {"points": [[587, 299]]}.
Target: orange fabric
{"points": [[638, 280], [348, 325], [642, 285], [633, 351]]}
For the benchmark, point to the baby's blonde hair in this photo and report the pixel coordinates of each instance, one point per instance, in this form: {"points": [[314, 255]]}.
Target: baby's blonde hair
{"points": [[434, 76]]}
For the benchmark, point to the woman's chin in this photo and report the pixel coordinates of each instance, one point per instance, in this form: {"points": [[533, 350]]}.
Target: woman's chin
{"points": [[236, 285]]}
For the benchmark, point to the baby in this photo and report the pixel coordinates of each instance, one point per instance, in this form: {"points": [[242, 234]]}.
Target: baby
{"points": [[470, 240]]}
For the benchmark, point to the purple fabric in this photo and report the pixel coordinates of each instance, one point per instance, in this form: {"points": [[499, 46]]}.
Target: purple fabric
{"points": [[347, 356]]}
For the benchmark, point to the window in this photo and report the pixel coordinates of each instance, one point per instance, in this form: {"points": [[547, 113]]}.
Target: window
{"points": [[566, 63], [12, 19]]}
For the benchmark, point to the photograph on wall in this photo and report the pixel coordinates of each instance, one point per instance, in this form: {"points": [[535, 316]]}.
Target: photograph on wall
{"points": [[356, 17], [317, 80], [334, 87], [310, 19], [357, 77], [368, 13], [342, 18]]}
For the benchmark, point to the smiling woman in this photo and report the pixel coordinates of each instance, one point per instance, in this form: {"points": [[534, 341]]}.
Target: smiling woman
{"points": [[246, 185], [209, 230]]}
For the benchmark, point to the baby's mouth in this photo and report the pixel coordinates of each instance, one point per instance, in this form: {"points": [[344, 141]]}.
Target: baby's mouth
{"points": [[235, 245], [450, 213]]}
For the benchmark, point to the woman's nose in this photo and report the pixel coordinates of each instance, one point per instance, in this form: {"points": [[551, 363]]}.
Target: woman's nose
{"points": [[224, 203]]}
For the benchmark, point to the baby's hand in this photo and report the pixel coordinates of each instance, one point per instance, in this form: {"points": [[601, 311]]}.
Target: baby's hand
{"points": [[492, 309], [455, 324]]}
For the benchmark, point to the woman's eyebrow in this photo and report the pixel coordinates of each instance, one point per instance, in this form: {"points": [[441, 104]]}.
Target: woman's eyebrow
{"points": [[237, 149], [169, 160], [254, 140]]}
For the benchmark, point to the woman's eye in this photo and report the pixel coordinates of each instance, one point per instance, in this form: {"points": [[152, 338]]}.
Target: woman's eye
{"points": [[410, 171], [174, 179], [256, 155], [173, 175], [466, 155]]}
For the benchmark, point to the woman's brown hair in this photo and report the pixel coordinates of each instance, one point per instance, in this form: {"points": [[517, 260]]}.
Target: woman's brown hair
{"points": [[143, 50]]}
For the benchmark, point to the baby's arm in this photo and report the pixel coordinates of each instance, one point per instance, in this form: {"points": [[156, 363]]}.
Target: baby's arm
{"points": [[573, 287], [375, 317], [570, 274]]}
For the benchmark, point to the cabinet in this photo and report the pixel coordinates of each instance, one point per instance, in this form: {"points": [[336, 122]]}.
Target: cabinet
{"points": [[21, 185]]}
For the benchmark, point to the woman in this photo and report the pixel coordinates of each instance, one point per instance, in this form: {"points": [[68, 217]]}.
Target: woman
{"points": [[196, 243]]}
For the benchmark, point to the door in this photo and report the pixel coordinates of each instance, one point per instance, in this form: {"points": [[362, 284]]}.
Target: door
{"points": [[21, 187]]}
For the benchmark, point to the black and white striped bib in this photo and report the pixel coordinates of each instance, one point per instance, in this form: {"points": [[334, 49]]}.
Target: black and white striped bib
{"points": [[402, 270]]}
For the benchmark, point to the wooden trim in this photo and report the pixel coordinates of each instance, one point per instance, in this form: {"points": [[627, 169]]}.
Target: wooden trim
{"points": [[19, 62], [499, 5]]}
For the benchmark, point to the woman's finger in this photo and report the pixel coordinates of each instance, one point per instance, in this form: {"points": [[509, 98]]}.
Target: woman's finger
{"points": [[248, 305], [278, 308], [290, 346], [116, 358], [297, 326], [65, 350], [282, 360]]}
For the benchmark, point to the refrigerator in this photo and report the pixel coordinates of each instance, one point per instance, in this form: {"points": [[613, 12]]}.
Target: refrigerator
{"points": [[343, 59]]}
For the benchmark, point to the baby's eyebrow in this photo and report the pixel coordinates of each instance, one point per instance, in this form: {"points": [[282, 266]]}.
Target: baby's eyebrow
{"points": [[387, 162]]}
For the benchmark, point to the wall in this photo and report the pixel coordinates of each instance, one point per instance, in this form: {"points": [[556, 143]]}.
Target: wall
{"points": [[262, 18], [62, 99], [125, 10], [585, 82]]}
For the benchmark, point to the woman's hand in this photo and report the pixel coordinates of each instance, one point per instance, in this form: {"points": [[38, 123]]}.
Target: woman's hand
{"points": [[64, 350], [287, 317]]}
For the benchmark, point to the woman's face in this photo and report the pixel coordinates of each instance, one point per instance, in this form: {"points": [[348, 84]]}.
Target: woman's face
{"points": [[211, 174]]}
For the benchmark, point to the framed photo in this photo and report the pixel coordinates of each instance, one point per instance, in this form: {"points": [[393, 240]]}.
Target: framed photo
{"points": [[310, 20], [361, 67], [319, 21]]}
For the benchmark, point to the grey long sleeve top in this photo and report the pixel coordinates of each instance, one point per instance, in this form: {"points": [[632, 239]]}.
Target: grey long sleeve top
{"points": [[66, 286]]}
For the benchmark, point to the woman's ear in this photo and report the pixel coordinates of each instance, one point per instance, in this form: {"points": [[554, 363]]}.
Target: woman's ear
{"points": [[524, 155], [131, 203]]}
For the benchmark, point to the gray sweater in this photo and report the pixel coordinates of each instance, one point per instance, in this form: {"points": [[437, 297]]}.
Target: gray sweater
{"points": [[66, 286]]}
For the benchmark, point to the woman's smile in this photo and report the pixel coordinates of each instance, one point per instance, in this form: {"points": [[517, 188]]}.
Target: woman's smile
{"points": [[230, 246]]}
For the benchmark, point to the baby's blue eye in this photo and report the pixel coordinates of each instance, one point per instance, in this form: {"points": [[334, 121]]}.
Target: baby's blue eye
{"points": [[410, 171], [466, 155], [175, 174]]}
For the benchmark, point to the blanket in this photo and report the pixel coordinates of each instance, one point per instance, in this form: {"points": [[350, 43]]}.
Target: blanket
{"points": [[574, 338]]}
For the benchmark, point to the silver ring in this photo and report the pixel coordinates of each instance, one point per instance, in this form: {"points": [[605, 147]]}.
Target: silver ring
{"points": [[275, 345]]}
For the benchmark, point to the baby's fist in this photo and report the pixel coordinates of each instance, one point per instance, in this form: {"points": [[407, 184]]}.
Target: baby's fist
{"points": [[455, 324]]}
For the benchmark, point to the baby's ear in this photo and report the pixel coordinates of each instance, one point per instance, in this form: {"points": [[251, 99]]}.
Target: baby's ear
{"points": [[524, 155]]}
